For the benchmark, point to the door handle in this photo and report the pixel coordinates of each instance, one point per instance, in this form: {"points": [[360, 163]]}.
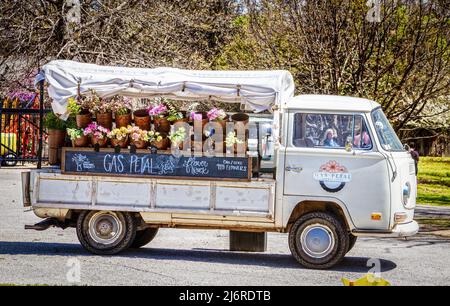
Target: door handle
{"points": [[294, 169]]}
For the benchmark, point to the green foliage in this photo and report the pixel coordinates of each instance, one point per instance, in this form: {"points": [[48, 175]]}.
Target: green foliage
{"points": [[73, 107], [434, 181], [52, 122]]}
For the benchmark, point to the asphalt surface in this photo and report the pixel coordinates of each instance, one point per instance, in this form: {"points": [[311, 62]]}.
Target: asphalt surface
{"points": [[196, 257]]}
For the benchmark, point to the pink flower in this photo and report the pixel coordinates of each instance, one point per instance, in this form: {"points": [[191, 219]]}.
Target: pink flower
{"points": [[195, 116], [216, 113], [157, 110]]}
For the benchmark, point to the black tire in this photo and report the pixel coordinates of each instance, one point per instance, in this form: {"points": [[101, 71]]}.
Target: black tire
{"points": [[144, 237], [324, 223], [9, 163], [89, 231], [351, 242]]}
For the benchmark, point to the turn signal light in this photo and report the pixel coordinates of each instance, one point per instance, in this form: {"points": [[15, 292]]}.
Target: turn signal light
{"points": [[376, 216]]}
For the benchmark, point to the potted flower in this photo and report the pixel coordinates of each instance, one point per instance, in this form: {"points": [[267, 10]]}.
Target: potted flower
{"points": [[199, 117], [175, 115], [231, 142], [219, 116], [138, 137], [177, 138], [78, 111], [161, 142], [119, 137], [77, 137], [56, 129], [121, 108], [97, 133], [158, 113], [102, 110]]}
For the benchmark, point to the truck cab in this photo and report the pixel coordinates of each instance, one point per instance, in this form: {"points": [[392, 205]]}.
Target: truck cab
{"points": [[340, 156]]}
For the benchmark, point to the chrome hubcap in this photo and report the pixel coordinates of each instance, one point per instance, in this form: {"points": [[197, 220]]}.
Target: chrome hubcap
{"points": [[105, 227], [317, 240]]}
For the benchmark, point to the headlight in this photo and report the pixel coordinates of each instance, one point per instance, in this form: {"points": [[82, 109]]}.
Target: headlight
{"points": [[406, 193]]}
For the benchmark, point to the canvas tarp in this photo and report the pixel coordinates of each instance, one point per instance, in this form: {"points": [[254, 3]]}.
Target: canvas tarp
{"points": [[256, 90]]}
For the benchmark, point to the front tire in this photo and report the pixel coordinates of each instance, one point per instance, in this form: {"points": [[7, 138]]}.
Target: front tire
{"points": [[351, 242], [144, 237], [318, 240], [105, 232]]}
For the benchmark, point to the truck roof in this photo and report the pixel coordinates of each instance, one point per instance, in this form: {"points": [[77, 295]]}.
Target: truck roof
{"points": [[330, 102]]}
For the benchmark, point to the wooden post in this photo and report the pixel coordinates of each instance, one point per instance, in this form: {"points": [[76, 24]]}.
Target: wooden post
{"points": [[248, 241]]}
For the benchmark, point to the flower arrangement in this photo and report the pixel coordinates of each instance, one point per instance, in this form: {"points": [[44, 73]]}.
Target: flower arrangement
{"points": [[178, 136], [73, 107], [174, 114], [75, 133], [231, 140], [216, 114], [120, 105], [158, 110], [136, 134], [196, 116], [119, 134], [154, 136], [96, 131]]}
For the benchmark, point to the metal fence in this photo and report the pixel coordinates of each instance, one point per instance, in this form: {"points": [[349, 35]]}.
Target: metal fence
{"points": [[21, 132]]}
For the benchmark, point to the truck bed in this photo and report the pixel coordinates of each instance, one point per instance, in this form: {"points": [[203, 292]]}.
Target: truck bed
{"points": [[160, 201]]}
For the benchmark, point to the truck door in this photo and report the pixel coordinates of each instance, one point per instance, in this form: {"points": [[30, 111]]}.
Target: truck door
{"points": [[332, 156]]}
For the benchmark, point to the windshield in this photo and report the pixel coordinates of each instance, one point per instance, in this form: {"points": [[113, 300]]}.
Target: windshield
{"points": [[385, 132]]}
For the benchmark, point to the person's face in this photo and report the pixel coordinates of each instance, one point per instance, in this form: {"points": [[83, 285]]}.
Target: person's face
{"points": [[329, 135]]}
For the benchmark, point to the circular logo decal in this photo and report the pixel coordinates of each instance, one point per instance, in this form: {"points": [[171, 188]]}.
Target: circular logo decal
{"points": [[332, 176]]}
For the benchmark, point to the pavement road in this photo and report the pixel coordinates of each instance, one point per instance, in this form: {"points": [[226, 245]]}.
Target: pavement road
{"points": [[196, 257]]}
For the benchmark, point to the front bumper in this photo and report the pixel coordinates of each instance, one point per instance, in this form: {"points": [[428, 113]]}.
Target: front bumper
{"points": [[399, 230]]}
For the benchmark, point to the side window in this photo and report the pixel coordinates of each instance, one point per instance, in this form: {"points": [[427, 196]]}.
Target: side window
{"points": [[330, 131]]}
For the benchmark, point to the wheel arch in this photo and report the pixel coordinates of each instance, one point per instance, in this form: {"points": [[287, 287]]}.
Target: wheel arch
{"points": [[309, 205]]}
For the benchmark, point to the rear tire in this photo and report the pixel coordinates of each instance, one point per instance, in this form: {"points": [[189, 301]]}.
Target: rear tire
{"points": [[144, 237], [105, 232], [318, 240]]}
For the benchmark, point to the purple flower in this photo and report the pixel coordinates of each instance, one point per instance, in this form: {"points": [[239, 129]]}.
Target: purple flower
{"points": [[196, 117], [157, 110]]}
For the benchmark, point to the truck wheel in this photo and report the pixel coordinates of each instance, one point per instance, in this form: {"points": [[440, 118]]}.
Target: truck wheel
{"points": [[351, 242], [11, 162], [318, 240], [105, 232], [144, 237]]}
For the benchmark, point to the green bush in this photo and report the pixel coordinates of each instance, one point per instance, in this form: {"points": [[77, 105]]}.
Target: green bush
{"points": [[52, 122]]}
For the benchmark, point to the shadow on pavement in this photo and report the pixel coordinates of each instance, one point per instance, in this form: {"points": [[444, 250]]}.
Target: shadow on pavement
{"points": [[286, 261]]}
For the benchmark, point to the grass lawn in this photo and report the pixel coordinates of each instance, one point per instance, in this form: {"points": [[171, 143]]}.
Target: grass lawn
{"points": [[434, 181]]}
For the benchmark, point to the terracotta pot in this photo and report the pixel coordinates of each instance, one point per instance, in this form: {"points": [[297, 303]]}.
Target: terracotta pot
{"points": [[121, 143], [162, 125], [83, 119], [223, 124], [185, 120], [101, 142], [105, 120], [240, 117], [163, 144], [123, 120], [56, 139], [142, 119], [80, 142], [141, 144]]}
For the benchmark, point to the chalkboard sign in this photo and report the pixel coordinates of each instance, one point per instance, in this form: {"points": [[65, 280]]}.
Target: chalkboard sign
{"points": [[144, 164]]}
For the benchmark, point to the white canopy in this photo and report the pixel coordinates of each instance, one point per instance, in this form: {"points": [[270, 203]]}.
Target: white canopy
{"points": [[257, 90]]}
